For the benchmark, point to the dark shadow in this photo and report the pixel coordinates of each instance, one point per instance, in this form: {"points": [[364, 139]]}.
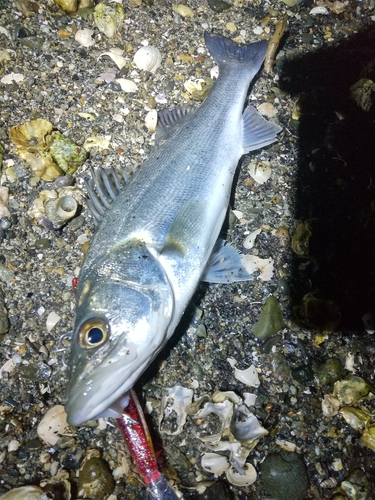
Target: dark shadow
{"points": [[335, 184]]}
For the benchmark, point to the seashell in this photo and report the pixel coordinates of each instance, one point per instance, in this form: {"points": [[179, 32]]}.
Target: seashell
{"points": [[330, 482], [355, 417], [52, 425], [68, 155], [4, 197], [214, 72], [52, 320], [260, 171], [245, 426], [24, 493], [116, 56], [148, 58], [151, 120], [67, 5], [85, 37], [249, 241], [318, 10], [175, 401], [267, 109], [109, 18], [126, 85], [351, 390], [224, 411], [96, 142], [330, 406], [248, 377], [182, 10], [12, 78], [242, 477], [264, 266], [214, 463], [59, 211]]}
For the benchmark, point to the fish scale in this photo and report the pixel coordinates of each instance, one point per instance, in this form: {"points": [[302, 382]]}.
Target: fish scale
{"points": [[159, 236]]}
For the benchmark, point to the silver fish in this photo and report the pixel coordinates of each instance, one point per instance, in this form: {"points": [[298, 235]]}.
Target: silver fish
{"points": [[157, 237]]}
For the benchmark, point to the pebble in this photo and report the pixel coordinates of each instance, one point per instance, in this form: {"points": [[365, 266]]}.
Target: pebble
{"points": [[42, 243], [95, 479], [284, 476], [270, 320], [218, 5]]}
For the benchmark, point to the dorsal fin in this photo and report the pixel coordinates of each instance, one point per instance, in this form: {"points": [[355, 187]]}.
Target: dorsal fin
{"points": [[103, 188], [169, 120]]}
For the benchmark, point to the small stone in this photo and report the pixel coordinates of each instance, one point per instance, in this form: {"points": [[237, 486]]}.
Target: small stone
{"points": [[270, 320], [330, 372], [42, 243], [95, 479], [284, 476], [218, 6]]}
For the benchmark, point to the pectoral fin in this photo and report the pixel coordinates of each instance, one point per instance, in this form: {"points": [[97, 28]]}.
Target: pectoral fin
{"points": [[225, 265], [184, 232], [257, 132]]}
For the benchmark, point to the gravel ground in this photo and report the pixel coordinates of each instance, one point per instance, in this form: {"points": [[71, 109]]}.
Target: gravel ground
{"points": [[316, 215]]}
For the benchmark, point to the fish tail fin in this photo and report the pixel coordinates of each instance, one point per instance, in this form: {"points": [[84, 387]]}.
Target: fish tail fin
{"points": [[223, 49]]}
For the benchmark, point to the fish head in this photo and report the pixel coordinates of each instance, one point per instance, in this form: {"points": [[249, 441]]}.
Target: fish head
{"points": [[124, 308]]}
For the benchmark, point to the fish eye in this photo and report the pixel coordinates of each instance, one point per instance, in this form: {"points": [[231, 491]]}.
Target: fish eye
{"points": [[93, 333]]}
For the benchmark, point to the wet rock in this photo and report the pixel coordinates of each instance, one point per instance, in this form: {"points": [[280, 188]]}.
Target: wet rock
{"points": [[303, 374], [42, 243], [95, 479], [218, 5], [280, 367], [330, 372], [284, 476], [270, 320], [218, 491]]}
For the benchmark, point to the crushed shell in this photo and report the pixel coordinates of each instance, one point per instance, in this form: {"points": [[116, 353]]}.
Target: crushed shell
{"points": [[53, 425]]}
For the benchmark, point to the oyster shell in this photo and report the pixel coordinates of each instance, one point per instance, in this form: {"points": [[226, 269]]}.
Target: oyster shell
{"points": [[109, 18], [148, 58]]}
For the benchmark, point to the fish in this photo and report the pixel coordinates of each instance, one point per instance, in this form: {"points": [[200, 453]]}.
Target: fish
{"points": [[158, 235]]}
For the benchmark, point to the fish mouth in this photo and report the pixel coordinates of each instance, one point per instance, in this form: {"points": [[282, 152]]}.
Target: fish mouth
{"points": [[94, 398]]}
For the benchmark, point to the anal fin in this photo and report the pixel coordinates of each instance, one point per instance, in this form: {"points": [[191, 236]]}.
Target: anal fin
{"points": [[225, 265], [257, 131]]}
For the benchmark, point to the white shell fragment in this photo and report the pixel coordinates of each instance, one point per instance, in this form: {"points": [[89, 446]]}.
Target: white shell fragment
{"points": [[248, 377], [116, 56], [214, 72], [12, 78], [151, 120], [224, 411], [85, 37], [250, 239], [245, 426], [126, 85], [173, 404], [24, 493], [286, 445], [267, 109], [315, 11], [148, 58], [260, 171], [182, 10], [243, 477], [4, 197], [254, 263], [214, 463], [52, 320], [53, 425]]}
